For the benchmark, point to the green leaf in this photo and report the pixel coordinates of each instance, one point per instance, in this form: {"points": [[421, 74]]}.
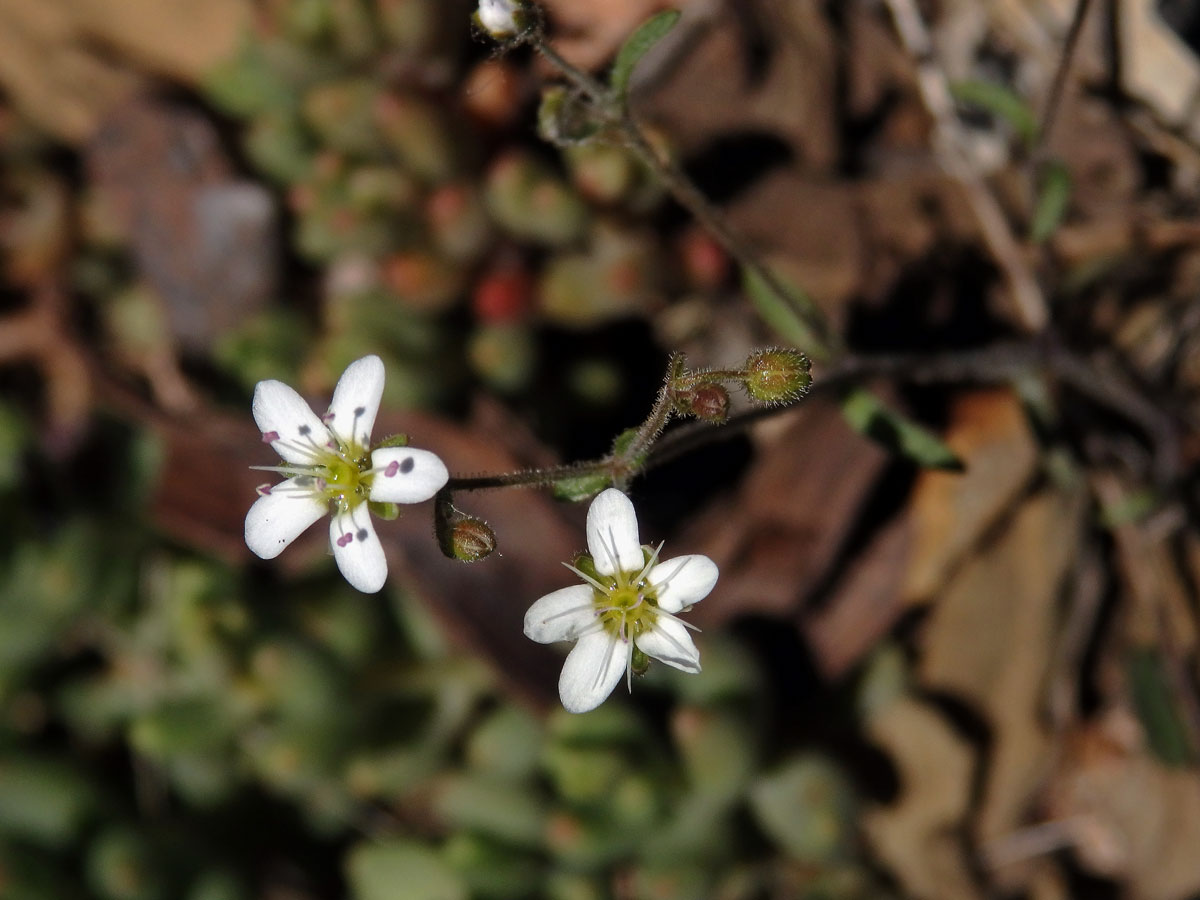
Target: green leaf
{"points": [[1001, 102], [576, 488], [1054, 195], [868, 416], [806, 806], [785, 315], [638, 45], [401, 868], [41, 801]]}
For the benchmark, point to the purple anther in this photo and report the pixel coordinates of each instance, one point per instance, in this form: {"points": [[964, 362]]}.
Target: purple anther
{"points": [[328, 417], [263, 490], [345, 539], [392, 468], [269, 436], [320, 484]]}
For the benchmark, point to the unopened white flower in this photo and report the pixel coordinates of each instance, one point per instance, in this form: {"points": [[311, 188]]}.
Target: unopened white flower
{"points": [[332, 470], [499, 17], [627, 608]]}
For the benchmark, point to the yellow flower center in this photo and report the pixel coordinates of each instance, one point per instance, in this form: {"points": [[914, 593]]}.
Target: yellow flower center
{"points": [[344, 478], [626, 603]]}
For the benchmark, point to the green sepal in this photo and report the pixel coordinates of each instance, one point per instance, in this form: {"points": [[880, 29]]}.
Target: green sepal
{"points": [[385, 511], [867, 415], [575, 488], [585, 564], [638, 45], [640, 663], [393, 440]]}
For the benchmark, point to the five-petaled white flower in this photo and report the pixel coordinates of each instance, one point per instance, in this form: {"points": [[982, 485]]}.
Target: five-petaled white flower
{"points": [[333, 470], [626, 609], [499, 17]]}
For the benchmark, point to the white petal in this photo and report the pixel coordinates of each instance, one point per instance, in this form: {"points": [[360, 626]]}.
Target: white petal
{"points": [[683, 581], [357, 550], [562, 615], [592, 670], [612, 534], [278, 518], [355, 401], [405, 475], [669, 641], [282, 413]]}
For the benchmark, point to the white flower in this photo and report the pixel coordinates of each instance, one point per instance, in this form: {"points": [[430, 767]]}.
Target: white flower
{"points": [[499, 17], [332, 470], [627, 608]]}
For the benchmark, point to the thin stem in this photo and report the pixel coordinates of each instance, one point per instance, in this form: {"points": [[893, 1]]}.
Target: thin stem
{"points": [[691, 198], [534, 477], [1054, 100]]}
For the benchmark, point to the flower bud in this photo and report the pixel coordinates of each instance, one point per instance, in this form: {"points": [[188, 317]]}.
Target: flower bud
{"points": [[502, 19], [471, 539], [707, 402], [777, 375], [566, 119]]}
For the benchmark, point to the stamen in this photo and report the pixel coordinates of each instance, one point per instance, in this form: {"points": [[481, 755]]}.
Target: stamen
{"points": [[345, 539], [263, 490], [678, 646], [270, 437], [392, 468], [662, 585], [290, 471], [650, 563], [603, 588], [611, 550], [674, 618], [603, 672], [566, 612]]}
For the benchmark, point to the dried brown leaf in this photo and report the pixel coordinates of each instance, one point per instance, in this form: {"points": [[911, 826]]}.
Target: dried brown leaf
{"points": [[775, 539], [1131, 817], [989, 641], [947, 515], [915, 836]]}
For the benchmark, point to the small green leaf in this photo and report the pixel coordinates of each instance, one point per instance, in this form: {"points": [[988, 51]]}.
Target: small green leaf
{"points": [[786, 316], [1054, 195], [638, 45], [1001, 102], [867, 415], [575, 488]]}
